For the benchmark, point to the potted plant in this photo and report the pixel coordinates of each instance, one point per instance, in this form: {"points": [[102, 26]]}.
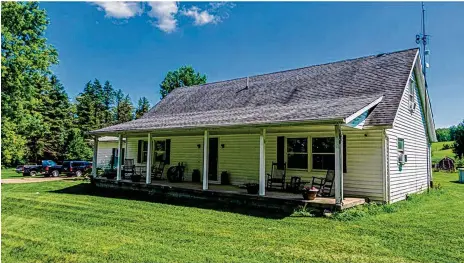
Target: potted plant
{"points": [[225, 178], [136, 177], [309, 193], [252, 188]]}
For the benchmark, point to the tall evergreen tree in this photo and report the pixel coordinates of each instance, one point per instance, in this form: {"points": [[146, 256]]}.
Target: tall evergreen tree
{"points": [[59, 115], [85, 108], [126, 110], [142, 107], [25, 67], [108, 101]]}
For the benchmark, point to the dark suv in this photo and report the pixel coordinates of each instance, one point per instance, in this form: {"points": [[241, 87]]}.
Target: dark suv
{"points": [[77, 168]]}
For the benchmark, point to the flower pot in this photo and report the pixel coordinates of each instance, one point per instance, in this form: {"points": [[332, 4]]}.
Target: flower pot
{"points": [[252, 189], [136, 178], [309, 195]]}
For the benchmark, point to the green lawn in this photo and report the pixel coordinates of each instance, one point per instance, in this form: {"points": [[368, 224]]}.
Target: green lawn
{"points": [[10, 173], [438, 153], [40, 225]]}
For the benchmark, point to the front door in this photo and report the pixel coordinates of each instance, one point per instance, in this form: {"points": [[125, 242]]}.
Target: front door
{"points": [[213, 159]]}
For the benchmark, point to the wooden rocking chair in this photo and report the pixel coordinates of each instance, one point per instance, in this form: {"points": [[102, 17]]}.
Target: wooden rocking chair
{"points": [[157, 170], [277, 176], [324, 184], [129, 167]]}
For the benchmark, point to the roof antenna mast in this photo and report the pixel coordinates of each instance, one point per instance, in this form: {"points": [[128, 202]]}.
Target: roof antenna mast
{"points": [[422, 39]]}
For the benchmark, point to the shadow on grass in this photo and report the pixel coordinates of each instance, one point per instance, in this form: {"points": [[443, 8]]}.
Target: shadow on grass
{"points": [[89, 189], [456, 182]]}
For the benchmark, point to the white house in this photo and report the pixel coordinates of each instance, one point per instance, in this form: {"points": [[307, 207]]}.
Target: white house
{"points": [[369, 119]]}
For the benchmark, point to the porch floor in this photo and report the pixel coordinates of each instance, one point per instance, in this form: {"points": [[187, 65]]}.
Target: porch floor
{"points": [[226, 193]]}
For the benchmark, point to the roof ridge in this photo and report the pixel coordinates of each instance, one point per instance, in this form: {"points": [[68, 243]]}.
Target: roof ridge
{"points": [[295, 69]]}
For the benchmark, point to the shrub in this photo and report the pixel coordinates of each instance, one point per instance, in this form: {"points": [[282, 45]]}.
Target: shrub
{"points": [[446, 146]]}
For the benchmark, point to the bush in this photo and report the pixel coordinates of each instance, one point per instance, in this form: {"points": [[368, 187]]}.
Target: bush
{"points": [[446, 146]]}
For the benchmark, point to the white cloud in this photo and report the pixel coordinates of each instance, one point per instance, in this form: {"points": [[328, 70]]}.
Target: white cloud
{"points": [[200, 17], [165, 13], [120, 9]]}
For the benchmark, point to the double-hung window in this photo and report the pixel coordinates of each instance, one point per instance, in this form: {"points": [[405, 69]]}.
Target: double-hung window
{"points": [[297, 153], [323, 153], [160, 151]]}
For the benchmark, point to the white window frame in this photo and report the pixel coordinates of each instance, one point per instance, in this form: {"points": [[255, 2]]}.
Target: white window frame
{"points": [[307, 153], [397, 145], [144, 152], [156, 152], [312, 153]]}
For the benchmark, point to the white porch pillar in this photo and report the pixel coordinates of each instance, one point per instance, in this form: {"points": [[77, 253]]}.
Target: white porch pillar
{"points": [[205, 160], [148, 181], [262, 162], [118, 171], [95, 155], [338, 165]]}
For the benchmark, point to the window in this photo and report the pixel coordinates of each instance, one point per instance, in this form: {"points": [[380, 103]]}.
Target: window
{"points": [[297, 153], [142, 151], [160, 151], [400, 145], [323, 153]]}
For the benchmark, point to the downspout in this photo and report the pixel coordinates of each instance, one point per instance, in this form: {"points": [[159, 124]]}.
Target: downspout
{"points": [[386, 165]]}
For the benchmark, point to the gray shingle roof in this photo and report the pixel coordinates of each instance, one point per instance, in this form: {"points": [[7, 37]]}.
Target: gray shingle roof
{"points": [[322, 92]]}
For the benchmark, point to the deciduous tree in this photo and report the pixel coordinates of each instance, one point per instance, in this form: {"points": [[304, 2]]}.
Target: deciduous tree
{"points": [[182, 77]]}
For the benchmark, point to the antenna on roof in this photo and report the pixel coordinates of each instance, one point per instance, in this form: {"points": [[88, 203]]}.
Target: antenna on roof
{"points": [[423, 38], [247, 82]]}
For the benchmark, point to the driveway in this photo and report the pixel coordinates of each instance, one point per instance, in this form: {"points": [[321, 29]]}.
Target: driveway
{"points": [[32, 180]]}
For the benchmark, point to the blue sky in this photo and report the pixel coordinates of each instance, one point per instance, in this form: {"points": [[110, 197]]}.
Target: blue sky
{"points": [[134, 45]]}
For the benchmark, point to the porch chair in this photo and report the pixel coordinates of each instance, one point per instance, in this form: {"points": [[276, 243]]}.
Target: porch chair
{"points": [[324, 184], [157, 170], [277, 176], [129, 168]]}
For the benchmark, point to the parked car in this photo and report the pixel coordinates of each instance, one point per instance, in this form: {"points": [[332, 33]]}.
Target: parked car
{"points": [[76, 168], [19, 169], [46, 168]]}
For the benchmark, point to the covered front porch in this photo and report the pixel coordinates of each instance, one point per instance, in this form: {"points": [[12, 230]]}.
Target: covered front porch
{"points": [[249, 152], [225, 195]]}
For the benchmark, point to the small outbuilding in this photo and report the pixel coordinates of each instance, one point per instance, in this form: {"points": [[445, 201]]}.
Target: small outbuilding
{"points": [[446, 164]]}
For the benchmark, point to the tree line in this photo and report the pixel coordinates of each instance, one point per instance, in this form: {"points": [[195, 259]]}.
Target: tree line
{"points": [[38, 119], [454, 133]]}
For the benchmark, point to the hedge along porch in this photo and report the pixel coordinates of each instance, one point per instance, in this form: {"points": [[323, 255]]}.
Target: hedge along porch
{"points": [[239, 153]]}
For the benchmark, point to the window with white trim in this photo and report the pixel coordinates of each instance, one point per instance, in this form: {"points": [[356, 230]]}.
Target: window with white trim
{"points": [[160, 150], [297, 153], [323, 153]]}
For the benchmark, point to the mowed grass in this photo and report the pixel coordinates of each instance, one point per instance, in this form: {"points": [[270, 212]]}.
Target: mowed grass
{"points": [[10, 173], [41, 225], [438, 153]]}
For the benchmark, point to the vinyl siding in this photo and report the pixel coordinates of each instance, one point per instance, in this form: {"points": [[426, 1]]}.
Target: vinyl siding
{"points": [[410, 127], [240, 157], [104, 152]]}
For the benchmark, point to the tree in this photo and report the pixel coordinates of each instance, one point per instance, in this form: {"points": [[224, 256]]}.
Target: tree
{"points": [[458, 147], [443, 134], [77, 148], [182, 77], [142, 107], [25, 67], [108, 101], [85, 108], [59, 115], [124, 110]]}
